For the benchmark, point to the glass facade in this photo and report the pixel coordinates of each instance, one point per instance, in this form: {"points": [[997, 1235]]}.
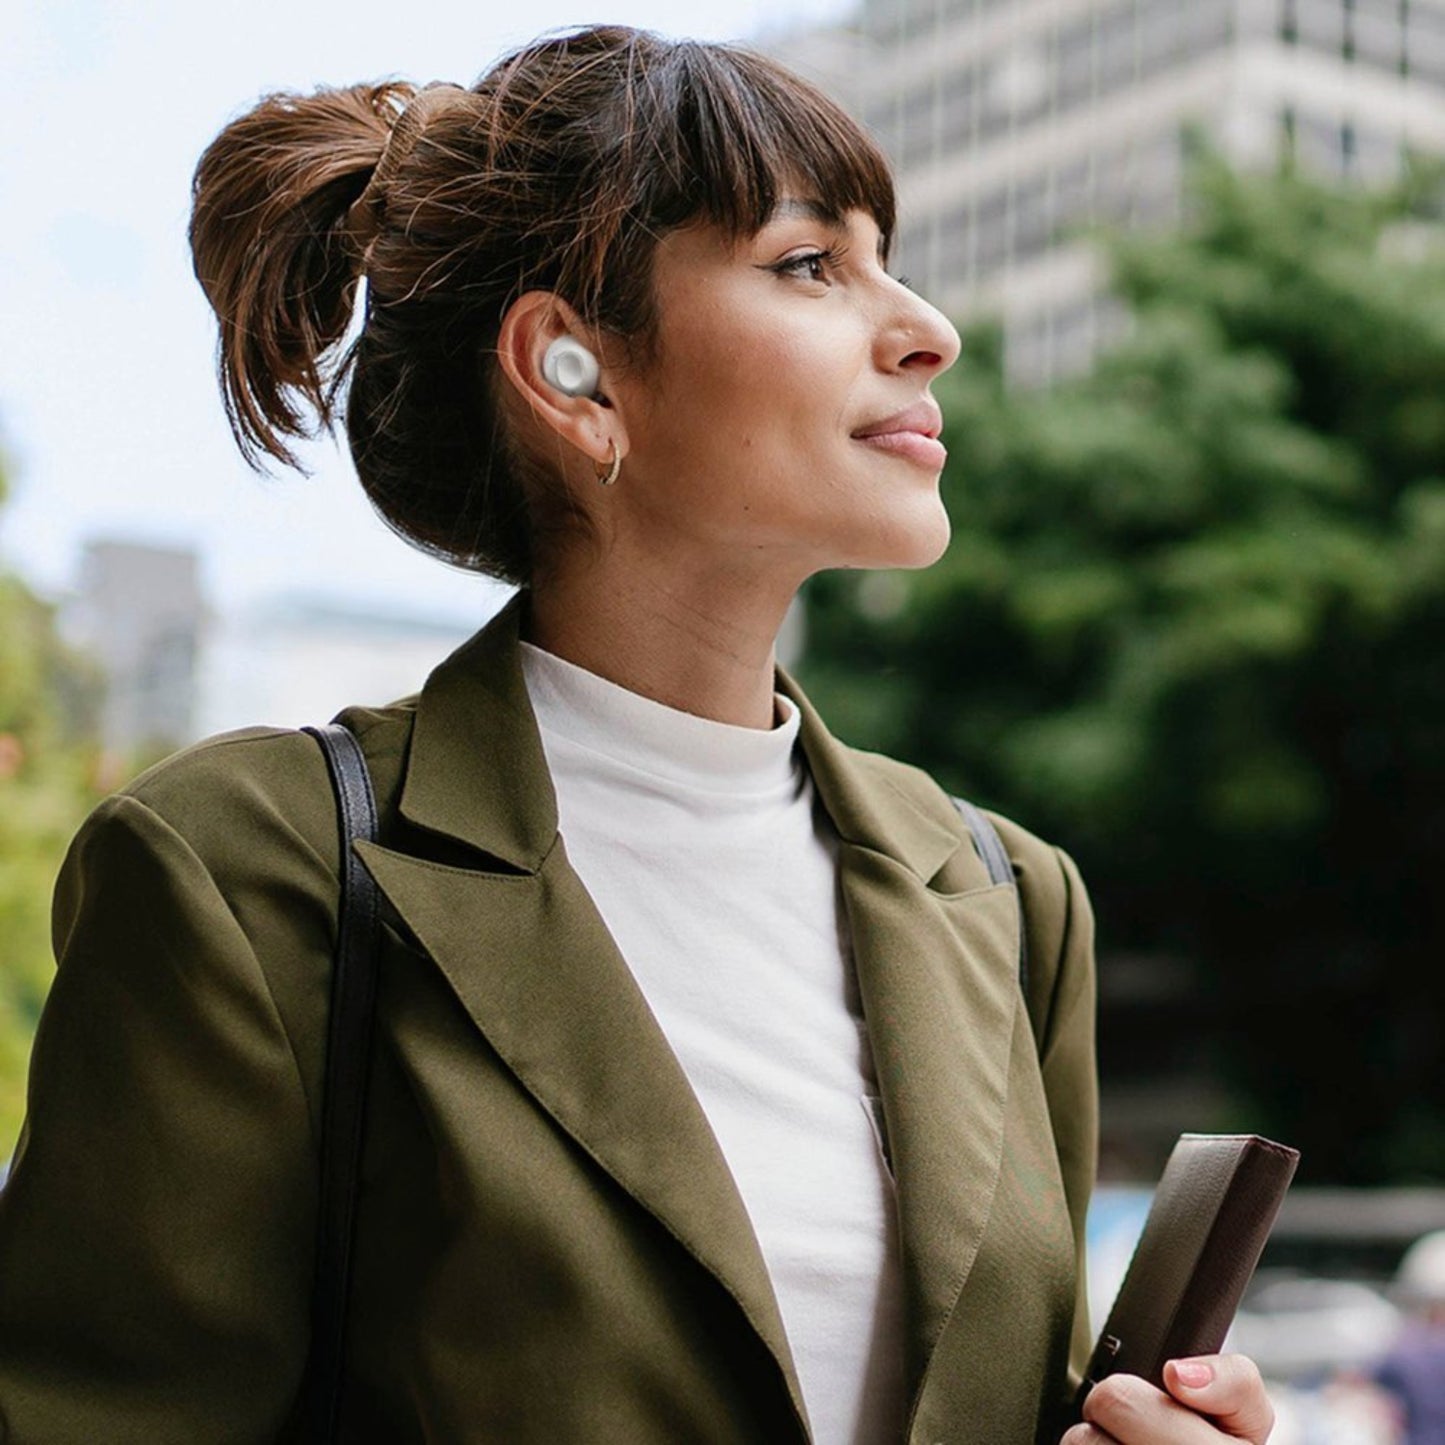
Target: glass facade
{"points": [[1017, 125], [1050, 73]]}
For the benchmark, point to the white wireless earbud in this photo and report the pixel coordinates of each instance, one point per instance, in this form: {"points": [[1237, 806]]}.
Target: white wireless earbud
{"points": [[570, 368]]}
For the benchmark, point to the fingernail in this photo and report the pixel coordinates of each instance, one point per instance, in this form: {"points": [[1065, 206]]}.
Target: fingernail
{"points": [[1193, 1374]]}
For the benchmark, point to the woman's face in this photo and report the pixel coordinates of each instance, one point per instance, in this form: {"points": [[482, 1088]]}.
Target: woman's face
{"points": [[786, 419]]}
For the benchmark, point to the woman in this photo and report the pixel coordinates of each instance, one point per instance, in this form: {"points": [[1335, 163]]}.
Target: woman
{"points": [[719, 1114]]}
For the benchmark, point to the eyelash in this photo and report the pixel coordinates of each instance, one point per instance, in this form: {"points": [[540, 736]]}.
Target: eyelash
{"points": [[829, 257]]}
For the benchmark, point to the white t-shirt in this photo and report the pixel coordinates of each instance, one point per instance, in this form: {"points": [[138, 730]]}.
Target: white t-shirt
{"points": [[715, 872]]}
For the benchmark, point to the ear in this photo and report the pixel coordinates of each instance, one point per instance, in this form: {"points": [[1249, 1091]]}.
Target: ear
{"points": [[589, 423]]}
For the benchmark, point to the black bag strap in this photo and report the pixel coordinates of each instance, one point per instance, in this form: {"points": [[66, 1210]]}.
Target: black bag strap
{"points": [[1000, 870], [343, 1099]]}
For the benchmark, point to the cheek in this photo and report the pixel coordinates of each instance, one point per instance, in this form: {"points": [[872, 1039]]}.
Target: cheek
{"points": [[750, 380], [773, 391]]}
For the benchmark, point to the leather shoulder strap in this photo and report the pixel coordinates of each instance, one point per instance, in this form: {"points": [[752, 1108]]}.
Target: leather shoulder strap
{"points": [[1000, 870], [343, 1103]]}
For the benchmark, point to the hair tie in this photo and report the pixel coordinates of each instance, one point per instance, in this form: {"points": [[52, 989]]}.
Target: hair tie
{"points": [[364, 218]]}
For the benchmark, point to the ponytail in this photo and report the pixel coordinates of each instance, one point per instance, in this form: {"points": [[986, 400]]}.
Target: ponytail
{"points": [[274, 252]]}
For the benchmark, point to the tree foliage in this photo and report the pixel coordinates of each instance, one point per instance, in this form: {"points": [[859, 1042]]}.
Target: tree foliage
{"points": [[47, 698], [1191, 626]]}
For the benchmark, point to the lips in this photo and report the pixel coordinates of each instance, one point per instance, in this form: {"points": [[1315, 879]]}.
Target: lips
{"points": [[923, 418], [911, 434]]}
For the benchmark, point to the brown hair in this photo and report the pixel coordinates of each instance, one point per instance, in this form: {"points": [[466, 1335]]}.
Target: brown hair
{"points": [[559, 170]]}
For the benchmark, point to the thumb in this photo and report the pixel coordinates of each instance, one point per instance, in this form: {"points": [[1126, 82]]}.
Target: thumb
{"points": [[1228, 1389]]}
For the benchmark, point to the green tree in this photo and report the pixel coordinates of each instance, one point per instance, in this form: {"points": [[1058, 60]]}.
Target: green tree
{"points": [[47, 696], [1191, 625]]}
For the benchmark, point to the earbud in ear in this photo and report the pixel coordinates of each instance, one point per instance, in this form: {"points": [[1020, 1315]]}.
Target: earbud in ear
{"points": [[570, 368]]}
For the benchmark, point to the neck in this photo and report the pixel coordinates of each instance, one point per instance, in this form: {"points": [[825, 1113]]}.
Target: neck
{"points": [[701, 643]]}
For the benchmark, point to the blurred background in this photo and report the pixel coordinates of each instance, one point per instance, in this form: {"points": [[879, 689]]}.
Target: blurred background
{"points": [[1190, 627]]}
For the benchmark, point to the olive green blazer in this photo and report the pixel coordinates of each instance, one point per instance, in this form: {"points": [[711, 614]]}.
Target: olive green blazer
{"points": [[550, 1246]]}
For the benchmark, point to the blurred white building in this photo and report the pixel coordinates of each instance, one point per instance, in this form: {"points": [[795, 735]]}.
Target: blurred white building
{"points": [[1016, 125], [175, 670], [138, 611], [291, 661]]}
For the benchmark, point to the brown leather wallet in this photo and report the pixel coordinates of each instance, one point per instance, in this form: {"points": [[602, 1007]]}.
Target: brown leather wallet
{"points": [[1212, 1212]]}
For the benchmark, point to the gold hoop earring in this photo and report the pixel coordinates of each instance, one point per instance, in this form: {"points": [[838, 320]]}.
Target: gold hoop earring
{"points": [[608, 474]]}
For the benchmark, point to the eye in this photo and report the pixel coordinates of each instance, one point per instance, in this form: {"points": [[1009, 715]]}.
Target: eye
{"points": [[814, 265], [905, 281]]}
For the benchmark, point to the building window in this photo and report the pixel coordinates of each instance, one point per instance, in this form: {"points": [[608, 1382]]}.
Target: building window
{"points": [[1425, 41], [1321, 25], [1377, 33]]}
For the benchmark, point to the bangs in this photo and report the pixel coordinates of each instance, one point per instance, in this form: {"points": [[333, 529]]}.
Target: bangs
{"points": [[734, 133]]}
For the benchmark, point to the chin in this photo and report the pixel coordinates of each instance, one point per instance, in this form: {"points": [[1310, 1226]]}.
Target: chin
{"points": [[929, 553], [909, 542]]}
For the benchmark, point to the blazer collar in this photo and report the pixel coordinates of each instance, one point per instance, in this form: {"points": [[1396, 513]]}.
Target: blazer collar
{"points": [[476, 701], [865, 806]]}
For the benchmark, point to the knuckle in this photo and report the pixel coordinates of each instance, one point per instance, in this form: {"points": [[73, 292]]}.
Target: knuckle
{"points": [[1107, 1392], [1115, 1399], [1241, 1370]]}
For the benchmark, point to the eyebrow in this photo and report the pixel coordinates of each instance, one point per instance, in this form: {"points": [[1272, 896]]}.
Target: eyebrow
{"points": [[800, 208]]}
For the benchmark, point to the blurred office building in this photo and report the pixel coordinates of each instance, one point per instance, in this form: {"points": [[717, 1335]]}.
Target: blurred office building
{"points": [[139, 612], [288, 661], [1016, 125], [176, 669]]}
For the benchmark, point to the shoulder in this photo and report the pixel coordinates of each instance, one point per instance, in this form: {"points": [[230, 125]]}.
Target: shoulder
{"points": [[234, 812], [242, 797], [208, 788], [222, 861], [244, 821], [1047, 877], [1054, 903]]}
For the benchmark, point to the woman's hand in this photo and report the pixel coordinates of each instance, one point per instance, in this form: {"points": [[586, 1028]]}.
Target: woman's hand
{"points": [[1211, 1399]]}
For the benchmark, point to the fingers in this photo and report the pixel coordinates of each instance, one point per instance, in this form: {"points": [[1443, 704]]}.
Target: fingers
{"points": [[1130, 1411], [1211, 1399], [1226, 1387]]}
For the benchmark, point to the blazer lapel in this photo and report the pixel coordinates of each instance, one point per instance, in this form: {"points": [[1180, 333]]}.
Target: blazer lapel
{"points": [[531, 961], [938, 977]]}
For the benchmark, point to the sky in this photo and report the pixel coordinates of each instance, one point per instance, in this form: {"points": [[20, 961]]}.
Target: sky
{"points": [[110, 421]]}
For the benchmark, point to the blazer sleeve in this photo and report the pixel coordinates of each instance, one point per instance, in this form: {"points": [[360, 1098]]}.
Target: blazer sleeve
{"points": [[1061, 1000], [155, 1230], [1071, 1084]]}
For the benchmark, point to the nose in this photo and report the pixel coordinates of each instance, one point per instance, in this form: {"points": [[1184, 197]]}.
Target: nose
{"points": [[918, 336]]}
